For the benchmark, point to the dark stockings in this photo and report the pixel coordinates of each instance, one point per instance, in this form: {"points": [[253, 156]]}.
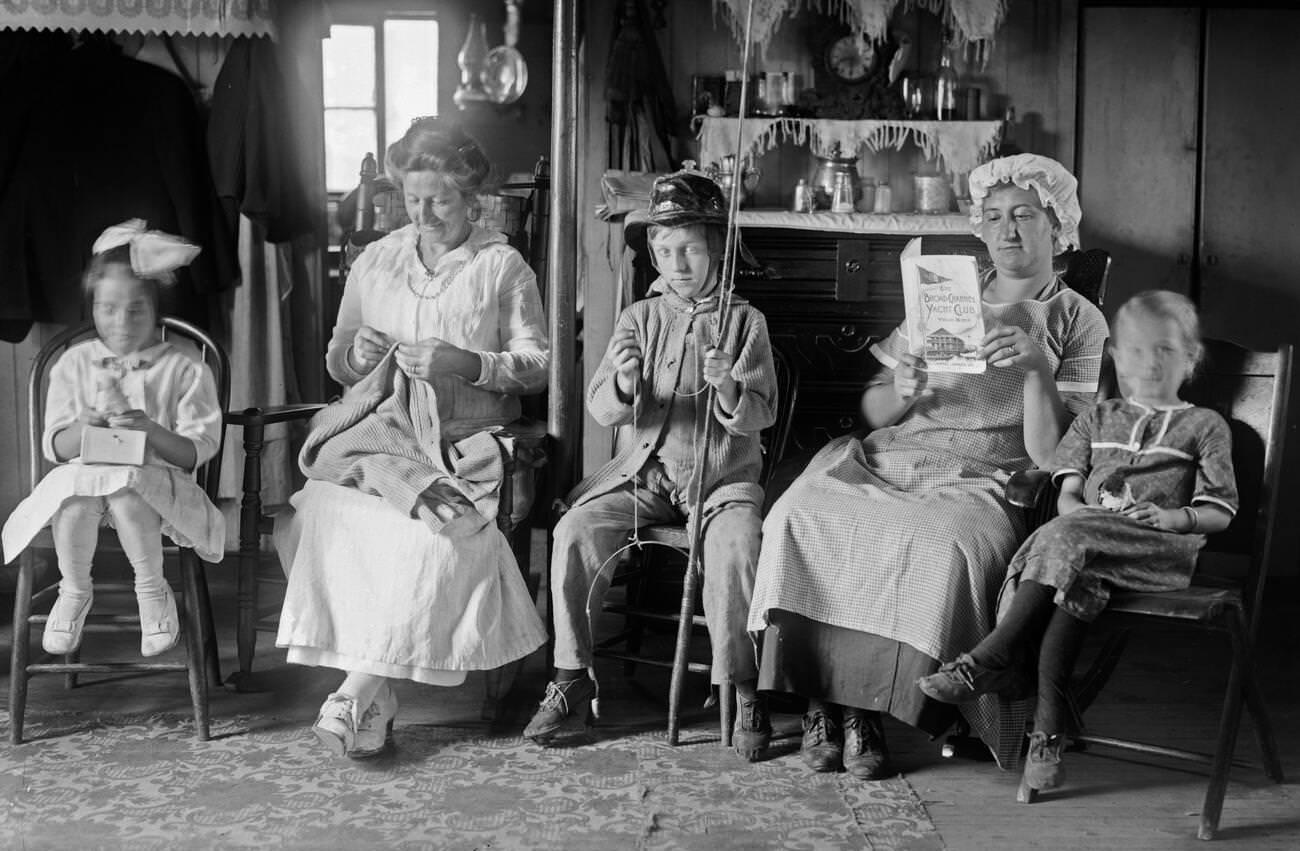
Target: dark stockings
{"points": [[1025, 621], [1060, 650]]}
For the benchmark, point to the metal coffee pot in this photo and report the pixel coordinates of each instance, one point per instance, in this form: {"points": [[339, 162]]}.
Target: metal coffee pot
{"points": [[827, 173], [724, 174]]}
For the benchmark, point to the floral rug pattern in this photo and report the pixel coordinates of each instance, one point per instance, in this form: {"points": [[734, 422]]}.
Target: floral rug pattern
{"points": [[145, 783]]}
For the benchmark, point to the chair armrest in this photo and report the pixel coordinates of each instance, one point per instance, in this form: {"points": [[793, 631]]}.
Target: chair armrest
{"points": [[1029, 488], [273, 414]]}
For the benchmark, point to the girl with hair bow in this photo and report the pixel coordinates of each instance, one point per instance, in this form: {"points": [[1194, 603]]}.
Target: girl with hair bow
{"points": [[127, 377]]}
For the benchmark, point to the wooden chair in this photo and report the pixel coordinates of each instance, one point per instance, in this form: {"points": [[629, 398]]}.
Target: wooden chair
{"points": [[527, 437], [1252, 391], [637, 611], [197, 629]]}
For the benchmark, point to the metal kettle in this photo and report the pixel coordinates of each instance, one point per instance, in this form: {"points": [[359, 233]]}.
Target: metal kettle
{"points": [[828, 170]]}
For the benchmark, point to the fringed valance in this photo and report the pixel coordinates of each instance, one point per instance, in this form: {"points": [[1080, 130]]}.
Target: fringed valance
{"points": [[969, 20], [958, 146], [151, 17]]}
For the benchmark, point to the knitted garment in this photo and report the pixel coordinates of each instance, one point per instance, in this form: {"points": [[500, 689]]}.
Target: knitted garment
{"points": [[384, 438]]}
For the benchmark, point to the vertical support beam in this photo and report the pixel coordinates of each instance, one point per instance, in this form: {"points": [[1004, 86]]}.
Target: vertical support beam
{"points": [[562, 254]]}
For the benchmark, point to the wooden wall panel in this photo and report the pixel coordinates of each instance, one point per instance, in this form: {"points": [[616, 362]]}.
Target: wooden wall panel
{"points": [[1138, 144]]}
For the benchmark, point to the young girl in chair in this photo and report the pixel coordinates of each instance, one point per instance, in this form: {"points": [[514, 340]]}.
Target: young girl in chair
{"points": [[125, 378], [1142, 480]]}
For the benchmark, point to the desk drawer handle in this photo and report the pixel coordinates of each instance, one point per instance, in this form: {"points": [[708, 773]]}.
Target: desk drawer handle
{"points": [[848, 330], [852, 266]]}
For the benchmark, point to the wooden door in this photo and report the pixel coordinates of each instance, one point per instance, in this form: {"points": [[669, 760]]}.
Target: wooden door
{"points": [[1138, 144], [1250, 235]]}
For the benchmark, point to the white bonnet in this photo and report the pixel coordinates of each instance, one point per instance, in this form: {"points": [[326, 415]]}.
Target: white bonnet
{"points": [[1057, 189]]}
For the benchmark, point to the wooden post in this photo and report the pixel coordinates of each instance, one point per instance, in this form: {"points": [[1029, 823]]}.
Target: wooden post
{"points": [[561, 255]]}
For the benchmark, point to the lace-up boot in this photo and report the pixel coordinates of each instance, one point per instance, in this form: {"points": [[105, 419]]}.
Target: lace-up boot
{"points": [[965, 679], [562, 701], [823, 742], [866, 756], [752, 730]]}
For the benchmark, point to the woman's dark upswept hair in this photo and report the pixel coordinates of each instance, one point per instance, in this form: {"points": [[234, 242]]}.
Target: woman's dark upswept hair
{"points": [[119, 255], [442, 146]]}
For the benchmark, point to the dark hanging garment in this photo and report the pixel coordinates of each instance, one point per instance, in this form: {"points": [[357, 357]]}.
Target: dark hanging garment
{"points": [[252, 145], [107, 139]]}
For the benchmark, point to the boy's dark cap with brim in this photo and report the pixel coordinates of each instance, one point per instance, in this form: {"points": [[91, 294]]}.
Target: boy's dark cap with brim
{"points": [[677, 200]]}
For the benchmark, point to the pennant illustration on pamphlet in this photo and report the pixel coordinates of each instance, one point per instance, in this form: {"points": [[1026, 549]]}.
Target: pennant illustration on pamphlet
{"points": [[945, 319]]}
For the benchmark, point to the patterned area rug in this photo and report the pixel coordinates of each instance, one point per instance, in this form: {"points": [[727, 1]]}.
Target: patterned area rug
{"points": [[145, 783]]}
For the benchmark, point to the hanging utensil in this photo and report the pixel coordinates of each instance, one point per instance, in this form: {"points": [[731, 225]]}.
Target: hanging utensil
{"points": [[505, 73]]}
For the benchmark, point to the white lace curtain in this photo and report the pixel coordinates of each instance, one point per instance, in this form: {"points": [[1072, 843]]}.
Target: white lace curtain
{"points": [[970, 20], [158, 17]]}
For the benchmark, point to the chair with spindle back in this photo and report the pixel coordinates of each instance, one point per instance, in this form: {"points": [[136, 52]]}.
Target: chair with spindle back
{"points": [[198, 633]]}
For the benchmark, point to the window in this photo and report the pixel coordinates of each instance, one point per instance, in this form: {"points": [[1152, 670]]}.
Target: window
{"points": [[377, 78]]}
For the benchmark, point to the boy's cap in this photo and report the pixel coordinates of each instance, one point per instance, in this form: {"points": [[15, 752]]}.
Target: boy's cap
{"points": [[676, 200]]}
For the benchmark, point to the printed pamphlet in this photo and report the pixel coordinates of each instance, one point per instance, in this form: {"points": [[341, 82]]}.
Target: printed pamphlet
{"points": [[945, 319]]}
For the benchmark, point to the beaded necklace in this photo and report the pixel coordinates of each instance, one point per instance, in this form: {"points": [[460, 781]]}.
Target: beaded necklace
{"points": [[448, 278]]}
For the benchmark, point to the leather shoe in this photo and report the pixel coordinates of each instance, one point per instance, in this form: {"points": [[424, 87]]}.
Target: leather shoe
{"points": [[866, 756], [571, 698], [823, 742], [965, 679], [159, 625], [752, 730], [1043, 766], [63, 626], [374, 729]]}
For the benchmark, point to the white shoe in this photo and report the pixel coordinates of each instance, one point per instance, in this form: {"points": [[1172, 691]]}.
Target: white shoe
{"points": [[336, 725], [159, 625], [375, 728], [64, 624]]}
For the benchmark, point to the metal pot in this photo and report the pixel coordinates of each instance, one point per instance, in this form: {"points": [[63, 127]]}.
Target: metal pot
{"points": [[827, 172]]}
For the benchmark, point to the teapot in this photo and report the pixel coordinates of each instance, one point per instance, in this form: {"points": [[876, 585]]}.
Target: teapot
{"points": [[828, 170], [724, 175]]}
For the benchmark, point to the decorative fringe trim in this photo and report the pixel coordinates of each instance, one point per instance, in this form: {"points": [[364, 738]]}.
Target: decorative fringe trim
{"points": [[969, 20], [957, 146]]}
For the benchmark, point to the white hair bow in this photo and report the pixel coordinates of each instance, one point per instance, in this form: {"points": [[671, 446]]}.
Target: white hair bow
{"points": [[154, 254]]}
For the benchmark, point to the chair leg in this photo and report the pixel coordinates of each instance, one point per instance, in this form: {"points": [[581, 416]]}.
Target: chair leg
{"points": [[1229, 722], [726, 695], [250, 545], [684, 623], [210, 650], [196, 657], [20, 653], [1263, 728]]}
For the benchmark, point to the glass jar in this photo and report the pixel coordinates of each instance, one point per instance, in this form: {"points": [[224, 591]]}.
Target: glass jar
{"points": [[945, 89]]}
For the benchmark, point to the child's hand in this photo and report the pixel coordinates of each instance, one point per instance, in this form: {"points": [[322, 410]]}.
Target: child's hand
{"points": [[910, 377], [133, 420], [1169, 519], [624, 355], [90, 417], [717, 368]]}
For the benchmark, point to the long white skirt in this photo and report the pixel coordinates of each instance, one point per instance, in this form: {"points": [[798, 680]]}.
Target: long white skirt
{"points": [[373, 591]]}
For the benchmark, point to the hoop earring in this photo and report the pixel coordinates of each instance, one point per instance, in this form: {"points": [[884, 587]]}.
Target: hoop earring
{"points": [[475, 211]]}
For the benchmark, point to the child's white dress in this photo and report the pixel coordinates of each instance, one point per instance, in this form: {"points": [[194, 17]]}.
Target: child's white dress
{"points": [[175, 389]]}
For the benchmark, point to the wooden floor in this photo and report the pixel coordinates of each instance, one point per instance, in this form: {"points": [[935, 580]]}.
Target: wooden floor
{"points": [[1167, 690]]}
